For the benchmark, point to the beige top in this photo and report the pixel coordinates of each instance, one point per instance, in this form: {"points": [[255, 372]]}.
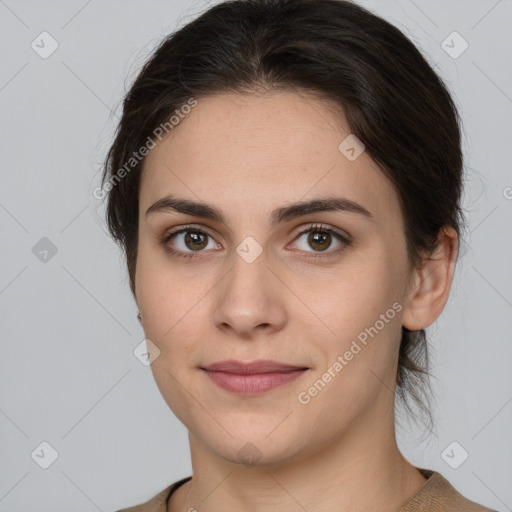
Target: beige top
{"points": [[435, 495]]}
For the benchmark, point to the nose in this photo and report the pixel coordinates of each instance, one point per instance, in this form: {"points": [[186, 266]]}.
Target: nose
{"points": [[251, 298]]}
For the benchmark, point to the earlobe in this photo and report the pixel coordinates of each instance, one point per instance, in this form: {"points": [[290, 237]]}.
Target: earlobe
{"points": [[433, 281]]}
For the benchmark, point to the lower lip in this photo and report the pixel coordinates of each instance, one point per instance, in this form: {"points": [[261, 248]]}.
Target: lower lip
{"points": [[251, 384]]}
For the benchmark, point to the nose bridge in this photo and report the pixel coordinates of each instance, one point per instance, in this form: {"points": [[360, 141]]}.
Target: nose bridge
{"points": [[248, 298], [247, 280]]}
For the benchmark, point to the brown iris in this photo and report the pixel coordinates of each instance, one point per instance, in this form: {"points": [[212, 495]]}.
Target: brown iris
{"points": [[319, 237], [199, 240]]}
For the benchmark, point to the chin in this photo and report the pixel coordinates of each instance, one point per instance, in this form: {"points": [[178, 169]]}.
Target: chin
{"points": [[257, 449]]}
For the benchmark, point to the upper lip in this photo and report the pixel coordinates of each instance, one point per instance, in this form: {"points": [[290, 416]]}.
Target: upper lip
{"points": [[261, 366]]}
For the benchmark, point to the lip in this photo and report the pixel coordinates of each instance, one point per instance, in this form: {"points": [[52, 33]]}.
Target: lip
{"points": [[252, 378], [260, 366]]}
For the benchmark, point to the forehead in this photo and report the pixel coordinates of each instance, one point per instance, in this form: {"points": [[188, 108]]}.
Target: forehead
{"points": [[253, 153]]}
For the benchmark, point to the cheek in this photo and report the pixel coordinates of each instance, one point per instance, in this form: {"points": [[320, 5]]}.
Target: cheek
{"points": [[157, 295], [351, 296], [360, 305], [171, 305]]}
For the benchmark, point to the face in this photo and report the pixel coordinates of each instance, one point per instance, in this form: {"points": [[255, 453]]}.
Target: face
{"points": [[304, 288]]}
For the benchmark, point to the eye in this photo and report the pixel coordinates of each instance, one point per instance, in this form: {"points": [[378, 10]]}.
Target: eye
{"points": [[320, 238], [193, 241], [190, 241]]}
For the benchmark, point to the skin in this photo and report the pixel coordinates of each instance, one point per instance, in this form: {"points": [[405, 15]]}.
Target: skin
{"points": [[247, 155]]}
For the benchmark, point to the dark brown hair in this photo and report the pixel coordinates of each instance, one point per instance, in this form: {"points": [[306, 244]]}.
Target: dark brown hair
{"points": [[393, 101]]}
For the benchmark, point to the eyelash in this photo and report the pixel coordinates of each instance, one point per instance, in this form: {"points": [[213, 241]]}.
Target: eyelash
{"points": [[192, 229]]}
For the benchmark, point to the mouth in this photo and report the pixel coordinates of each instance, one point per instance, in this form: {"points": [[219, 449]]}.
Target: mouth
{"points": [[252, 378]]}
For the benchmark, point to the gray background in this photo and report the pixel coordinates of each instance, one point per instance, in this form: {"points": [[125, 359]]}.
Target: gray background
{"points": [[68, 375]]}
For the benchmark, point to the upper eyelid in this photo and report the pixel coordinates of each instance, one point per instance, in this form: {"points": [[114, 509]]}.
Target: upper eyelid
{"points": [[186, 228]]}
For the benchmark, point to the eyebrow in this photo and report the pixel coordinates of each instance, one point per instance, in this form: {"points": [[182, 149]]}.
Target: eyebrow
{"points": [[207, 211]]}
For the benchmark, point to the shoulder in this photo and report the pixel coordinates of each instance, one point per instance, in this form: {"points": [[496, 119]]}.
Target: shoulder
{"points": [[157, 503], [438, 495]]}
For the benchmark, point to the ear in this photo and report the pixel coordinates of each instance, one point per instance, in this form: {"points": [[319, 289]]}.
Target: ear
{"points": [[432, 283]]}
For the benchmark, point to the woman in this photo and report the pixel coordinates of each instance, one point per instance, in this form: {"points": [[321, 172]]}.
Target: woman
{"points": [[285, 183]]}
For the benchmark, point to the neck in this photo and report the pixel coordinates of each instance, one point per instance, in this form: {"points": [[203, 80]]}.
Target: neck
{"points": [[360, 470]]}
